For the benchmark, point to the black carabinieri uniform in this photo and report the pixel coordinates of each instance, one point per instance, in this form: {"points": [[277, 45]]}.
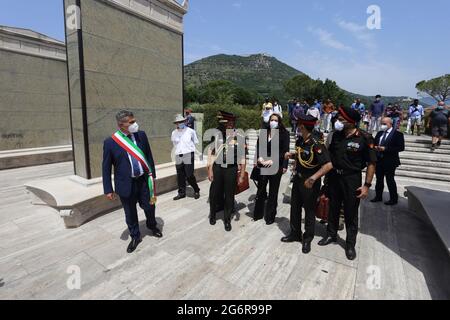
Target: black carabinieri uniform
{"points": [[311, 155], [350, 155]]}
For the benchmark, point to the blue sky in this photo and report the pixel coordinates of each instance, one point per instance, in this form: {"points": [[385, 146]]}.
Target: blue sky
{"points": [[326, 38]]}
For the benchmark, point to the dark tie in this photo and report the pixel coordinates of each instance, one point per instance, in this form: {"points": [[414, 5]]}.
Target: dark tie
{"points": [[135, 163], [383, 139]]}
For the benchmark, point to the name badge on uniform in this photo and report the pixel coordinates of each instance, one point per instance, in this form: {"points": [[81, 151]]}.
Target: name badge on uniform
{"points": [[353, 146]]}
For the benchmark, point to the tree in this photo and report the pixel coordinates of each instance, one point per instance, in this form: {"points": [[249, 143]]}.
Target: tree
{"points": [[308, 89], [437, 88], [302, 87]]}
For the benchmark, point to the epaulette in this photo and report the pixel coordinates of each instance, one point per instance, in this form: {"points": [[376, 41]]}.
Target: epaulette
{"points": [[368, 137], [318, 140], [362, 133]]}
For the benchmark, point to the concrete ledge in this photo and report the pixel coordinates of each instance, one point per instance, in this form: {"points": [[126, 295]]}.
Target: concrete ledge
{"points": [[432, 207], [78, 200], [12, 159]]}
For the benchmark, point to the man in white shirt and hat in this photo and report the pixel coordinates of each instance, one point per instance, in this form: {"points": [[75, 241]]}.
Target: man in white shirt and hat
{"points": [[184, 140]]}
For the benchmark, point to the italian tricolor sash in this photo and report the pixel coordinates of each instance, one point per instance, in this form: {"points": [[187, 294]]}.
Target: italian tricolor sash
{"points": [[129, 146]]}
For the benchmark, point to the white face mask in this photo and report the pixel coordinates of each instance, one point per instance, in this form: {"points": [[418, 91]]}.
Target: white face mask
{"points": [[273, 124], [134, 128], [339, 126], [384, 128]]}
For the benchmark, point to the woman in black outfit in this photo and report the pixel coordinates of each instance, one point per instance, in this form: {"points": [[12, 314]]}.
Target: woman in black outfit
{"points": [[276, 131]]}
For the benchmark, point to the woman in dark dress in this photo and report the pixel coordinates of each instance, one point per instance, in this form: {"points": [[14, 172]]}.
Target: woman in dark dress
{"points": [[276, 132]]}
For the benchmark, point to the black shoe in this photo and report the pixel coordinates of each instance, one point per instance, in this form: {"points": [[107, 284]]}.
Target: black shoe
{"points": [[433, 148], [391, 203], [156, 232], [179, 197], [376, 200], [438, 144], [197, 195], [327, 241], [212, 220], [306, 248], [133, 245], [350, 252], [291, 238], [270, 222], [227, 226]]}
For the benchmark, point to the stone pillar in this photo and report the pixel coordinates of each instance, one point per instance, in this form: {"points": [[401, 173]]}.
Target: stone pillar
{"points": [[123, 54]]}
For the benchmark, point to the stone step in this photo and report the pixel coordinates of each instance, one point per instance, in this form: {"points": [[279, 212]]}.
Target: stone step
{"points": [[422, 175], [425, 163], [425, 157], [425, 169], [427, 150], [423, 140], [426, 145], [424, 183]]}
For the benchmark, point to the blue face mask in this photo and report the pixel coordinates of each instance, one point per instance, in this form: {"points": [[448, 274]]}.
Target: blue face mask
{"points": [[182, 126]]}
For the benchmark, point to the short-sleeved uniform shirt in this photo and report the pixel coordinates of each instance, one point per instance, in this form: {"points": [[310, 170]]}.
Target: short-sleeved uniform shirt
{"points": [[352, 154], [312, 152]]}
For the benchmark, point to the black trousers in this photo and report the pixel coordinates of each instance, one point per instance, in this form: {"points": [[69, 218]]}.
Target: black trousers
{"points": [[185, 171], [223, 190], [261, 197], [304, 198], [343, 191], [139, 194], [388, 173]]}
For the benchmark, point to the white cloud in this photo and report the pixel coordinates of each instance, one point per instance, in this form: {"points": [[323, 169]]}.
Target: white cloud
{"points": [[298, 43], [327, 39], [360, 32], [368, 77]]}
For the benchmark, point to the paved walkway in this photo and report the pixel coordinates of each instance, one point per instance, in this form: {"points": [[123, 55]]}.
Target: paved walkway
{"points": [[197, 261]]}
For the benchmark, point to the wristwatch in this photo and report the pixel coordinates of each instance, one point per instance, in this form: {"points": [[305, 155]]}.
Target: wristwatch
{"points": [[368, 185]]}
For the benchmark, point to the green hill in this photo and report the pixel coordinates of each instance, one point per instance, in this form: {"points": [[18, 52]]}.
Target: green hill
{"points": [[260, 73]]}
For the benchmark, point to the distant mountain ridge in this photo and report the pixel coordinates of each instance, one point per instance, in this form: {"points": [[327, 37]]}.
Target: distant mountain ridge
{"points": [[261, 73]]}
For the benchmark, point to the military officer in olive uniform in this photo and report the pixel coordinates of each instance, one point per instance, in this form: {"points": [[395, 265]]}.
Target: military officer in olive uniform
{"points": [[226, 159], [312, 163], [351, 151]]}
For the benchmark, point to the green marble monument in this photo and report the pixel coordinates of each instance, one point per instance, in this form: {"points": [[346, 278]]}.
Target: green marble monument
{"points": [[123, 54]]}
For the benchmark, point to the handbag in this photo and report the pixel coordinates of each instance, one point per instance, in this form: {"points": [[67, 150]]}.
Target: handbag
{"points": [[323, 204], [323, 208], [244, 186]]}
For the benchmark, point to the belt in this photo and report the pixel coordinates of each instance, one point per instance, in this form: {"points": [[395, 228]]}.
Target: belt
{"points": [[342, 172], [138, 178], [226, 166]]}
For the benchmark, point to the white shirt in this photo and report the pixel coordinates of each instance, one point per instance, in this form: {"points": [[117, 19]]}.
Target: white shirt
{"points": [[184, 141], [266, 115], [277, 109], [387, 133], [313, 112], [133, 174]]}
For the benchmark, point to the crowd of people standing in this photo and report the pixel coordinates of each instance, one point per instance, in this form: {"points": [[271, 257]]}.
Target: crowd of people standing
{"points": [[334, 146]]}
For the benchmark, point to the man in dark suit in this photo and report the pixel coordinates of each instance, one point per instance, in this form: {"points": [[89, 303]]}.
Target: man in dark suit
{"points": [[388, 143], [130, 177]]}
